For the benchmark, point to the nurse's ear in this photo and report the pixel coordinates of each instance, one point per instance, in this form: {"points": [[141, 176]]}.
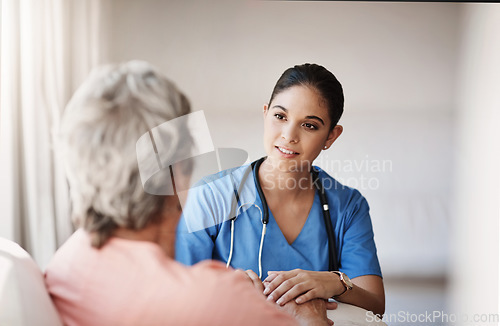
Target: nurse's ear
{"points": [[333, 135]]}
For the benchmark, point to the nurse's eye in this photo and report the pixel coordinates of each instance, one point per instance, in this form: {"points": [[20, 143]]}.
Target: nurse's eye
{"points": [[279, 116], [310, 126]]}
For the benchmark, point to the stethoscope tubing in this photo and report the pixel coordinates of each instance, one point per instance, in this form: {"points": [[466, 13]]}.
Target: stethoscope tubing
{"points": [[332, 261]]}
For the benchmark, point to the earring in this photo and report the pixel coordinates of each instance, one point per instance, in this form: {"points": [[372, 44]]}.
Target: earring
{"points": [[326, 147]]}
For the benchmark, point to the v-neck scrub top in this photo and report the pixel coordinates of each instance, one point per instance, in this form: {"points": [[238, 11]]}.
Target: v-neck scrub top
{"points": [[204, 231]]}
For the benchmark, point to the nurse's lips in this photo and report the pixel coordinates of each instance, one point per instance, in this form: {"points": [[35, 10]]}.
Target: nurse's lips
{"points": [[286, 151]]}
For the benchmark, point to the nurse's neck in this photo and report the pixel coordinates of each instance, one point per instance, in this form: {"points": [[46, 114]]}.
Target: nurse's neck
{"points": [[284, 181]]}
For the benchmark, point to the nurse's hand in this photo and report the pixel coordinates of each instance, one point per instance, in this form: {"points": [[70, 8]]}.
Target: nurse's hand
{"points": [[301, 285], [254, 278]]}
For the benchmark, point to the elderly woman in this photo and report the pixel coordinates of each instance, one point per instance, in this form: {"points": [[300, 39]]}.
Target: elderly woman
{"points": [[118, 267]]}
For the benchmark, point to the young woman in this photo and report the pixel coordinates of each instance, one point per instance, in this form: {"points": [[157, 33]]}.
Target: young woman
{"points": [[274, 217]]}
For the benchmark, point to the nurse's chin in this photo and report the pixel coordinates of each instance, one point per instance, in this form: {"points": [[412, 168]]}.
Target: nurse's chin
{"points": [[290, 165]]}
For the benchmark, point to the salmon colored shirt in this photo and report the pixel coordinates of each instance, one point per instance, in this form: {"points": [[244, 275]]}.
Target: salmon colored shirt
{"points": [[134, 283]]}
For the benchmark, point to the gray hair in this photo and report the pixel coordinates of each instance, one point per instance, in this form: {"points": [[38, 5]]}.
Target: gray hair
{"points": [[110, 111]]}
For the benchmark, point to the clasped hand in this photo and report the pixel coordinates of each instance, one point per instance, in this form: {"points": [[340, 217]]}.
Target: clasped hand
{"points": [[298, 284], [283, 287]]}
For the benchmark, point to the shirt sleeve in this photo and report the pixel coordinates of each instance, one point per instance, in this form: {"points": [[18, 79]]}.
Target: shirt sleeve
{"points": [[199, 224], [359, 253]]}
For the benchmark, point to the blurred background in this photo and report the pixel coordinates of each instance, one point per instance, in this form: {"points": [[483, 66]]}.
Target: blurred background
{"points": [[421, 138]]}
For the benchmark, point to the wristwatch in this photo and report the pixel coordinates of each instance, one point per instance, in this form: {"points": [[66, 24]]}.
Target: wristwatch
{"points": [[346, 281]]}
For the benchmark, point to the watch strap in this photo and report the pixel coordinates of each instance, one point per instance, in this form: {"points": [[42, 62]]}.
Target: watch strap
{"points": [[346, 286]]}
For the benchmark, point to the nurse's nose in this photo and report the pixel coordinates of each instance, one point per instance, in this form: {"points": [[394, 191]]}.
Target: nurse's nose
{"points": [[290, 134]]}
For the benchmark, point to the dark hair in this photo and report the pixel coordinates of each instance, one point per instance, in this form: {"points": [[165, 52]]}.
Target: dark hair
{"points": [[322, 80]]}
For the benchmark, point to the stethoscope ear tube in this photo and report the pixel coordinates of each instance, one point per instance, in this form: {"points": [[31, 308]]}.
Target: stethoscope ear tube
{"points": [[265, 213], [256, 167], [332, 261]]}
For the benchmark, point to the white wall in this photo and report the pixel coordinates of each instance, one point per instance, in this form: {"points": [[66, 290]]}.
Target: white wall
{"points": [[396, 62], [474, 267], [227, 55]]}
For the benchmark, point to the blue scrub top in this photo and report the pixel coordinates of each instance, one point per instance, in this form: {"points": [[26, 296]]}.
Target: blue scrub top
{"points": [[204, 231]]}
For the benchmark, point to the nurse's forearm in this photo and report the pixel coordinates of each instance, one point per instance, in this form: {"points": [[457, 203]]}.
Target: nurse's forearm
{"points": [[367, 293]]}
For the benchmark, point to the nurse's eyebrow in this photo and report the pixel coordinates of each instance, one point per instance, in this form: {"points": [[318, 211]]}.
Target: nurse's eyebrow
{"points": [[316, 118], [308, 117], [280, 107]]}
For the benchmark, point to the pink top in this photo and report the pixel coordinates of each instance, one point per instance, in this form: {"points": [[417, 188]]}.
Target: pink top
{"points": [[134, 283]]}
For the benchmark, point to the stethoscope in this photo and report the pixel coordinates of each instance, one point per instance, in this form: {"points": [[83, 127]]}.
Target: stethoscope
{"points": [[264, 213]]}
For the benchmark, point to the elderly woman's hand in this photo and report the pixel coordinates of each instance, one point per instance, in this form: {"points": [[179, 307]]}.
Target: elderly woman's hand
{"points": [[301, 285], [254, 278], [312, 312]]}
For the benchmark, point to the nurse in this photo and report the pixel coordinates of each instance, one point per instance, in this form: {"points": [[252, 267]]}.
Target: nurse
{"points": [[223, 218]]}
